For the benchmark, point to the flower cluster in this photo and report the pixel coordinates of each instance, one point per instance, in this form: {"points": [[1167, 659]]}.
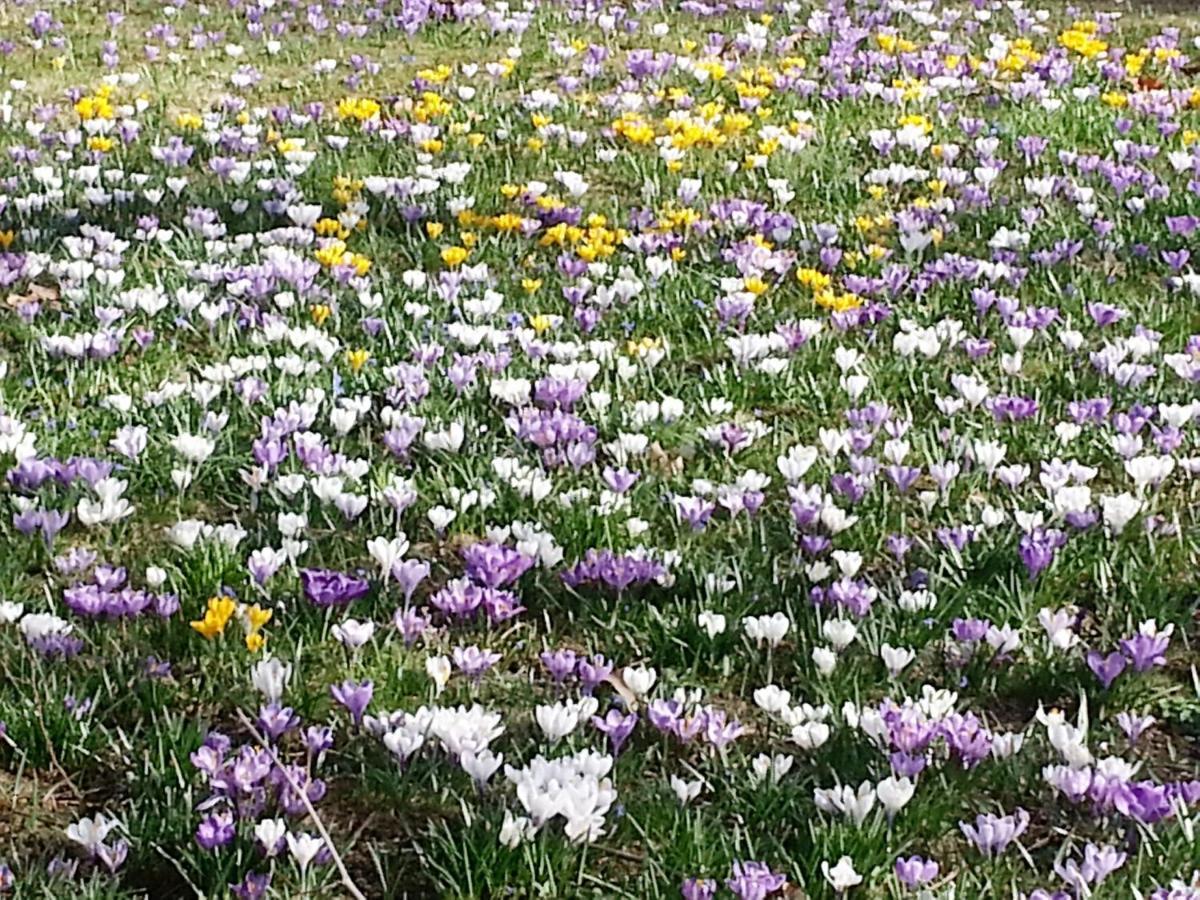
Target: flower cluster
{"points": [[637, 428]]}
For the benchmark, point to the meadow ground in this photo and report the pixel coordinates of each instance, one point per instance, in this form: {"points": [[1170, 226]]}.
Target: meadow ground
{"points": [[495, 450]]}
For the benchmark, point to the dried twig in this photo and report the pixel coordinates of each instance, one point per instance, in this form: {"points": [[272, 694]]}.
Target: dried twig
{"points": [[347, 881], [617, 852], [178, 868], [50, 751]]}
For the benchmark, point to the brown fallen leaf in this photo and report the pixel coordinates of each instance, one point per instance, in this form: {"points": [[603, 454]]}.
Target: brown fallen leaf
{"points": [[35, 293], [617, 683], [452, 546], [664, 462]]}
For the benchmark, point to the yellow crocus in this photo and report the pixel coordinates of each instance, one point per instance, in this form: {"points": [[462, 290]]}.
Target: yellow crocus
{"points": [[454, 256], [216, 617]]}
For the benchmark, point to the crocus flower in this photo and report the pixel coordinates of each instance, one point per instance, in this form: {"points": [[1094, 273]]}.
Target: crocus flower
{"points": [[1106, 668], [253, 887], [617, 726], [992, 834], [915, 872], [698, 889], [215, 831], [753, 880], [355, 696], [1145, 651], [325, 588]]}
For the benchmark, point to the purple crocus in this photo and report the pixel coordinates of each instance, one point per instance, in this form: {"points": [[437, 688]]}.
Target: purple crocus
{"points": [[113, 856], [276, 720], [409, 574], [1038, 548], [617, 726], [617, 572], [215, 831], [1134, 725], [317, 740], [698, 889], [719, 730], [355, 696], [411, 624], [473, 662], [915, 872], [494, 565], [1098, 863], [1106, 668], [991, 834], [253, 887], [752, 880], [326, 588], [1145, 651], [560, 664], [969, 631], [592, 671]]}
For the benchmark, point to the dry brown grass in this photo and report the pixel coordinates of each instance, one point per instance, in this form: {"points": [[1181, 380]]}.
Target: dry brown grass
{"points": [[35, 809]]}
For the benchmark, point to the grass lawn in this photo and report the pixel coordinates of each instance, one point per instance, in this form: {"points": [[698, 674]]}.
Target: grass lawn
{"points": [[705, 448]]}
